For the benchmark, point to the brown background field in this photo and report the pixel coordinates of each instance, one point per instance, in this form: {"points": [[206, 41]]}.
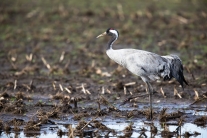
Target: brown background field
{"points": [[53, 68]]}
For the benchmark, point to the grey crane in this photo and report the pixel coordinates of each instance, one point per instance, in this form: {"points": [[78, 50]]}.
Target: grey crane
{"points": [[149, 66]]}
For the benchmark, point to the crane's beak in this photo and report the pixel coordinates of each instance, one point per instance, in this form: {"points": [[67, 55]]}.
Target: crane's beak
{"points": [[101, 35]]}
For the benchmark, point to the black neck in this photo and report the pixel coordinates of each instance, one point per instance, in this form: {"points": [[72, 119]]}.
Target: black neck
{"points": [[110, 43]]}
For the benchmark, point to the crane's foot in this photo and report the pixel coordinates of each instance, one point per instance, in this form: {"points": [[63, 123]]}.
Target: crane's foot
{"points": [[153, 92]]}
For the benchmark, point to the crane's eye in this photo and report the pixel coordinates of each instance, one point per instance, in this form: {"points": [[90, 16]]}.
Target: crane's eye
{"points": [[107, 31]]}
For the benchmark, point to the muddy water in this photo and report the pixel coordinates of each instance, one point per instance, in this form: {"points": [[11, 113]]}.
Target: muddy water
{"points": [[48, 133], [140, 126], [188, 127]]}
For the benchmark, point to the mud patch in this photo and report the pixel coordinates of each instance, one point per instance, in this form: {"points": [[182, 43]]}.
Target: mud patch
{"points": [[56, 79]]}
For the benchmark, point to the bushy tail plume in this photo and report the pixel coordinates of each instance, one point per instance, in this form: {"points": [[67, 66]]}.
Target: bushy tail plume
{"points": [[176, 68]]}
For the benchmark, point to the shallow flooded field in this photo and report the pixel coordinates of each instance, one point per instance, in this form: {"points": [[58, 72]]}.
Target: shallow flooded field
{"points": [[57, 81], [184, 121]]}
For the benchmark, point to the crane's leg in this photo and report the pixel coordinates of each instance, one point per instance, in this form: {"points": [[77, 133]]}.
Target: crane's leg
{"points": [[150, 91]]}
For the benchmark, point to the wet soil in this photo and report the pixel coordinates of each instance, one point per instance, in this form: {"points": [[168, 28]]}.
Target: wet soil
{"points": [[55, 76]]}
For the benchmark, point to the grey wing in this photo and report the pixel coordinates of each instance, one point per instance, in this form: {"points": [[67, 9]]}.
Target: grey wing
{"points": [[149, 66]]}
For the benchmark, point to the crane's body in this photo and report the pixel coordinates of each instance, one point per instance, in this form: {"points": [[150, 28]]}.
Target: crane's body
{"points": [[149, 66], [139, 62]]}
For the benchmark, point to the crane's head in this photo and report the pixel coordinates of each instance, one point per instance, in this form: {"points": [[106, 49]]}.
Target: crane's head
{"points": [[111, 32]]}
